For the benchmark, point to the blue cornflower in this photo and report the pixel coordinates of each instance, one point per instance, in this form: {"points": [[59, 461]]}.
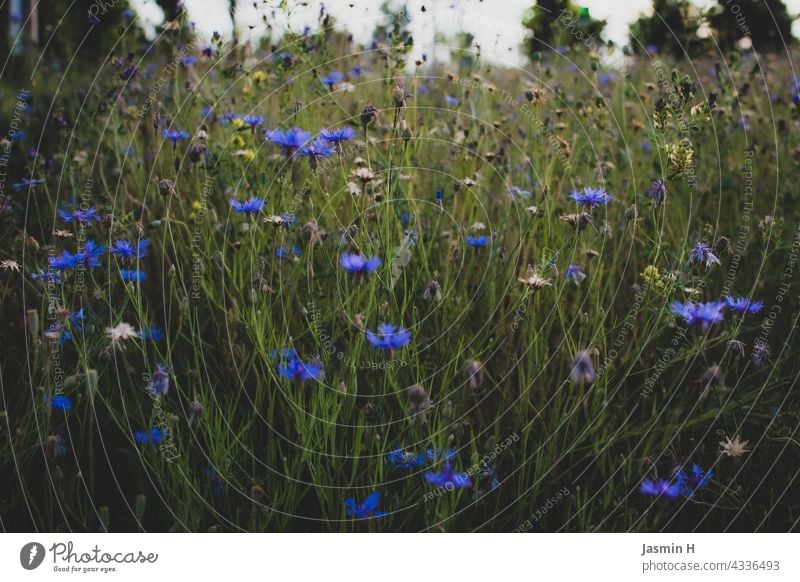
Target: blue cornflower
{"points": [[159, 381], [27, 183], [189, 60], [518, 193], [574, 274], [132, 275], [155, 435], [253, 120], [448, 478], [284, 252], [452, 101], [290, 140], [175, 135], [315, 151], [658, 190], [353, 263], [407, 461], [151, 333], [478, 241], [366, 509], [77, 318], [65, 261], [439, 198], [702, 253], [252, 205], [661, 488], [295, 369], [699, 315], [744, 305], [690, 483], [214, 481], [228, 117], [330, 80], [79, 215], [337, 136], [387, 338], [289, 219], [127, 250], [591, 198], [60, 402], [357, 71]]}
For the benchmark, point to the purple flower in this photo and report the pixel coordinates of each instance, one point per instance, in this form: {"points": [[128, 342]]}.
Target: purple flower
{"points": [[366, 509], [702, 253], [658, 190], [591, 198], [387, 338], [359, 264], [252, 205], [699, 315], [159, 381], [79, 215], [405, 460], [661, 488], [744, 305], [574, 274], [448, 478]]}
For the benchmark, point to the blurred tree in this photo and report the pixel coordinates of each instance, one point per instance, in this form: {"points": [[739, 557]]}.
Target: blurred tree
{"points": [[672, 29], [557, 23], [766, 22], [172, 8]]}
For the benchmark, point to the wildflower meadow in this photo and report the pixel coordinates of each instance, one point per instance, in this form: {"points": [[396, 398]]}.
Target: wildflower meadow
{"points": [[295, 282]]}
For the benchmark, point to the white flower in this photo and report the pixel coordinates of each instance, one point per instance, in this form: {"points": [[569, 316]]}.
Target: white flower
{"points": [[735, 447], [121, 333]]}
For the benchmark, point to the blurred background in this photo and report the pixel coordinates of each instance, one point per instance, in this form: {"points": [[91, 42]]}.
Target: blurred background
{"points": [[503, 29]]}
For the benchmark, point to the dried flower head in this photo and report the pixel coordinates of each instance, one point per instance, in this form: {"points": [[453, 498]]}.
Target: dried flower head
{"points": [[734, 448]]}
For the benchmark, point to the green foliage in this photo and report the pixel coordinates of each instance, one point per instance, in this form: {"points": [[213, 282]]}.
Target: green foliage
{"points": [[560, 23]]}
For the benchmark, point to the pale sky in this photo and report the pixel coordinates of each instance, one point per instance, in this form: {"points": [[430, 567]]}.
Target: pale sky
{"points": [[495, 23]]}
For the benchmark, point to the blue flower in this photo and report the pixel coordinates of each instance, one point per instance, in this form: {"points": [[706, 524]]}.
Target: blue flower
{"points": [[151, 333], [387, 338], [452, 101], [289, 219], [284, 252], [253, 120], [77, 318], [295, 369], [78, 215], [448, 478], [658, 190], [175, 135], [127, 250], [364, 510], [47, 277], [661, 488], [290, 140], [703, 253], [574, 274], [519, 193], [591, 198], [407, 461], [252, 205], [57, 332], [155, 435], [214, 481], [60, 402], [132, 275], [337, 136], [159, 381], [316, 150], [58, 444], [690, 483], [27, 183], [65, 261], [699, 315], [477, 241], [330, 80], [744, 305], [353, 263]]}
